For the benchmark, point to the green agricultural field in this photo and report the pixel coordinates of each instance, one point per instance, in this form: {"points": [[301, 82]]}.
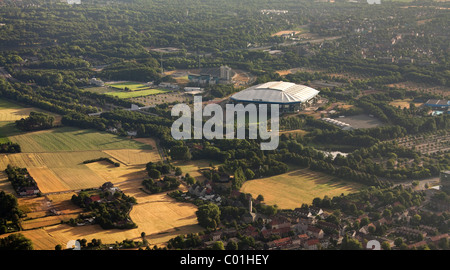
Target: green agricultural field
{"points": [[7, 129], [118, 90], [290, 190], [133, 86], [4, 104], [137, 93], [73, 139]]}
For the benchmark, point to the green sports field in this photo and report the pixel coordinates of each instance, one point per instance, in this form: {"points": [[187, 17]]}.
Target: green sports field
{"points": [[137, 93], [72, 139], [133, 86], [136, 89]]}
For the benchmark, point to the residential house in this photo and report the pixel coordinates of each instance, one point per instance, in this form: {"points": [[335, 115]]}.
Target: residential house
{"points": [[216, 236], [312, 244], [315, 232]]}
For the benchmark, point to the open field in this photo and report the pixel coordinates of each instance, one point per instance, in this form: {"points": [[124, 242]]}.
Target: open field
{"points": [[46, 221], [57, 172], [10, 111], [361, 121], [404, 103], [300, 132], [5, 184], [118, 89], [62, 171], [290, 190], [110, 173], [167, 97], [137, 93], [134, 156], [159, 216], [7, 129], [52, 182], [37, 210], [72, 139], [280, 33], [133, 86], [193, 167]]}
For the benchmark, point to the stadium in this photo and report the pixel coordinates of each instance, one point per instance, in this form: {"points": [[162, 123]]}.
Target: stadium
{"points": [[290, 96]]}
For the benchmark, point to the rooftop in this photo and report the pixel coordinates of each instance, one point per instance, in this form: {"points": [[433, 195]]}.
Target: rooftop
{"points": [[276, 92]]}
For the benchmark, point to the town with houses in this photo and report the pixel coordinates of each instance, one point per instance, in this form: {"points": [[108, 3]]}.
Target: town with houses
{"points": [[312, 228]]}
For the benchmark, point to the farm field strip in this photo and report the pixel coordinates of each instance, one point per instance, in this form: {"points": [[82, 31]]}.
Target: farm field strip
{"points": [[72, 139], [46, 221], [134, 156], [64, 171], [11, 111]]}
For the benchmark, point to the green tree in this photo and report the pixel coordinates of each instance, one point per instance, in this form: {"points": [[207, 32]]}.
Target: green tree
{"points": [[349, 243], [232, 245], [385, 245], [208, 215], [218, 245], [16, 241], [398, 242]]}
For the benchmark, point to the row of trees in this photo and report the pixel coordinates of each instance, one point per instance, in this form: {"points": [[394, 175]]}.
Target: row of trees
{"points": [[10, 147], [35, 121], [20, 178]]}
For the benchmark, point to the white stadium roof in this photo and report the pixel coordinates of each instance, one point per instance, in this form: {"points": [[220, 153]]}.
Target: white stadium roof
{"points": [[276, 92]]}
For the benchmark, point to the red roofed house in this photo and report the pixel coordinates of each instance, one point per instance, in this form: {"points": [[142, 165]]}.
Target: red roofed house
{"points": [[312, 244], [95, 198]]}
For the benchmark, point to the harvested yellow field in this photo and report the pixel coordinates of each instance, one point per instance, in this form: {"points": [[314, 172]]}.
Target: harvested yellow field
{"points": [[23, 160], [404, 103], [300, 132], [14, 114], [110, 173], [60, 171], [32, 205], [47, 180], [163, 214], [148, 141], [290, 190], [134, 156], [5, 184], [37, 210], [193, 167], [45, 221], [78, 178], [159, 216]]}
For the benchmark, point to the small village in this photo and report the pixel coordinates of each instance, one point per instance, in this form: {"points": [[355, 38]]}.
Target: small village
{"points": [[314, 228]]}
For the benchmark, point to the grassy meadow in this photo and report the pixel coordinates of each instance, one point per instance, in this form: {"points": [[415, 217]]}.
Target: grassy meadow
{"points": [[135, 89], [73, 139]]}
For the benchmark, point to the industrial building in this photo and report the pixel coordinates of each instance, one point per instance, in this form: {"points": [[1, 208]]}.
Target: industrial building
{"points": [[290, 96], [211, 76], [438, 106], [338, 123]]}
